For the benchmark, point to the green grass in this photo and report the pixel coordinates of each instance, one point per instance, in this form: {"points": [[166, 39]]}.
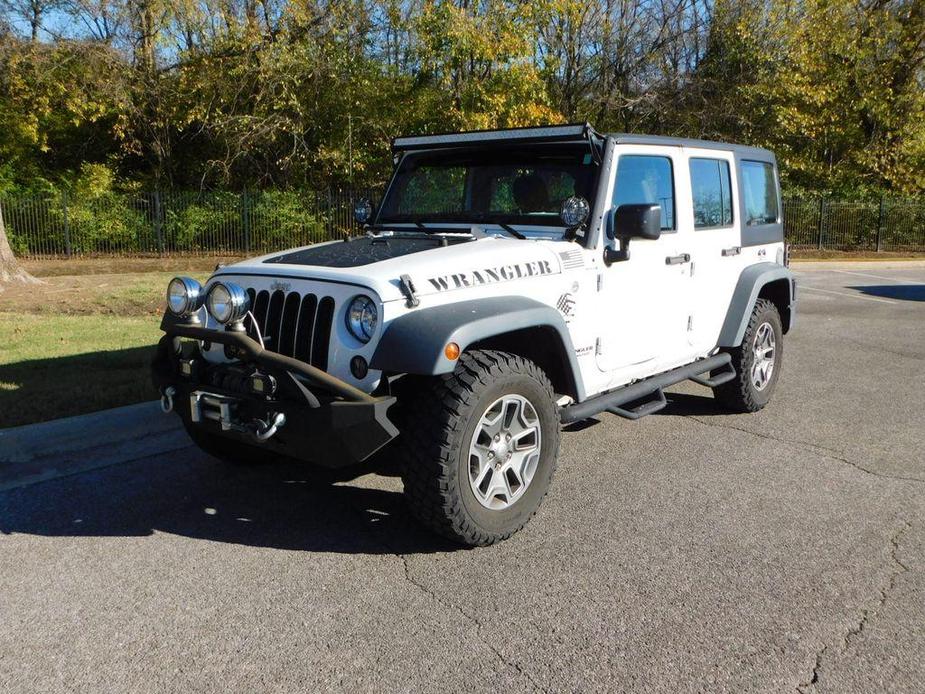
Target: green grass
{"points": [[79, 343], [131, 294], [61, 365]]}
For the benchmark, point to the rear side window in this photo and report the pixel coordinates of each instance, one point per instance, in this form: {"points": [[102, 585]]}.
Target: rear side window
{"points": [[643, 178], [760, 189], [711, 186]]}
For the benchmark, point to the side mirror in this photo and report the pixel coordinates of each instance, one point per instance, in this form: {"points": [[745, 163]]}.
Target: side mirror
{"points": [[363, 210], [636, 221]]}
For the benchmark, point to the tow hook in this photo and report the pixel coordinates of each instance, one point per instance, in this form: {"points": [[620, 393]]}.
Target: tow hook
{"points": [[264, 430], [167, 399]]}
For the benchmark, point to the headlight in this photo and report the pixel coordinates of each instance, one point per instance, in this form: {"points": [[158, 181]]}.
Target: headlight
{"points": [[227, 302], [184, 296], [362, 317]]}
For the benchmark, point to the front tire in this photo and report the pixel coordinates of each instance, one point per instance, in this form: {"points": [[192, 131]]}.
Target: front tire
{"points": [[479, 447], [757, 361]]}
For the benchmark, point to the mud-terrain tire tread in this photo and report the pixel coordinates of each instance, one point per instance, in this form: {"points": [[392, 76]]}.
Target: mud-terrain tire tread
{"points": [[435, 420], [738, 394]]}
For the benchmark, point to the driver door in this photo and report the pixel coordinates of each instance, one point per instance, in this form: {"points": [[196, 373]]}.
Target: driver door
{"points": [[643, 310]]}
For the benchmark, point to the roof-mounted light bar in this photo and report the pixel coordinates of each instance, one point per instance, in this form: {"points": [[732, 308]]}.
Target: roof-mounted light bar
{"points": [[577, 133]]}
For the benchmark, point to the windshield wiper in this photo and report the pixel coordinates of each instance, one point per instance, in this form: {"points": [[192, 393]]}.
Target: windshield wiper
{"points": [[511, 230], [504, 226], [482, 218]]}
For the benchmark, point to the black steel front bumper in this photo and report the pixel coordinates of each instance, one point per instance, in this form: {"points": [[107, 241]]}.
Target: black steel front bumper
{"points": [[327, 421]]}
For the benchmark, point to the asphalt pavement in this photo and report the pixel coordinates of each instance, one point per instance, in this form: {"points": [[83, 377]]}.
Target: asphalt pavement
{"points": [[689, 551]]}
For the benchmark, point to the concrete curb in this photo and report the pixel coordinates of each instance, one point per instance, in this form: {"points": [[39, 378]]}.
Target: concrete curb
{"points": [[38, 452], [838, 264]]}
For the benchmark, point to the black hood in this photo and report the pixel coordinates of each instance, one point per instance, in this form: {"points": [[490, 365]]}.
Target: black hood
{"points": [[363, 251]]}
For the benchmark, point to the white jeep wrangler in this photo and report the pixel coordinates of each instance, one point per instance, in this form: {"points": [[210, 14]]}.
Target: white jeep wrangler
{"points": [[509, 282]]}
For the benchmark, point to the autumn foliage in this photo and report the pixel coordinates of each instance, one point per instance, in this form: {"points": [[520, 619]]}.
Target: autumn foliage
{"points": [[289, 94]]}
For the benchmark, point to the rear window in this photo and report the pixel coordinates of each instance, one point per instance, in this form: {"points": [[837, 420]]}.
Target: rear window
{"points": [[760, 190], [711, 187]]}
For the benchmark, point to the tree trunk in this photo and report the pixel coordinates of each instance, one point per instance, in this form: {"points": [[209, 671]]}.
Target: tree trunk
{"points": [[10, 271]]}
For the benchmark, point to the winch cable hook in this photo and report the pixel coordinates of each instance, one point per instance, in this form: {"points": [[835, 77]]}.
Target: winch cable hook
{"points": [[263, 431], [167, 399]]}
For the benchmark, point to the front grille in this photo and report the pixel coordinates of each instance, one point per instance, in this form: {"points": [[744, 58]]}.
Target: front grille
{"points": [[295, 325]]}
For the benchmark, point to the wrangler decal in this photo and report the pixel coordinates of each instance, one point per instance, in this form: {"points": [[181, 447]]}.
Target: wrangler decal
{"points": [[490, 275]]}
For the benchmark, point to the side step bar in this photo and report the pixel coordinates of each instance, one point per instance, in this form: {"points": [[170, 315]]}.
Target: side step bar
{"points": [[649, 391], [656, 403]]}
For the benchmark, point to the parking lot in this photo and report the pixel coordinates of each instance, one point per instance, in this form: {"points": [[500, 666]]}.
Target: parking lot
{"points": [[691, 550]]}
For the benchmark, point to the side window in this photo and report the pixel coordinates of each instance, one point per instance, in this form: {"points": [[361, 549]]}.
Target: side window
{"points": [[711, 186], [760, 190], [645, 178]]}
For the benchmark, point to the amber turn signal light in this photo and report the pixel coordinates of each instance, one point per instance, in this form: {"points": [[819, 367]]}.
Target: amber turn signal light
{"points": [[451, 351]]}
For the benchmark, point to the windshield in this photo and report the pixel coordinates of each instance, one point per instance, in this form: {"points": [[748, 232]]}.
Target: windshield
{"points": [[501, 186]]}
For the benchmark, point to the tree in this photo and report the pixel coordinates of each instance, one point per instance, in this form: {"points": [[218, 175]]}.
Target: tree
{"points": [[32, 12], [10, 270]]}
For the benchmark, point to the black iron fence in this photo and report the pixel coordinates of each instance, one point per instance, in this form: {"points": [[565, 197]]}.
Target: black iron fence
{"points": [[224, 223], [887, 224], [173, 223]]}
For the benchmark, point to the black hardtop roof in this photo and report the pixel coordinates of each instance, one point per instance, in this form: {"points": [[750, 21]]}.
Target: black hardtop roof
{"points": [[568, 133]]}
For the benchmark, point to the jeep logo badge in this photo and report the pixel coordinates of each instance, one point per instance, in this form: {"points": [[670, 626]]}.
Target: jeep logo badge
{"points": [[280, 286]]}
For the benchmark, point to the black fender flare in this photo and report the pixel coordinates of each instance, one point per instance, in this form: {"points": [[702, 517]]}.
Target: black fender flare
{"points": [[413, 343], [746, 293]]}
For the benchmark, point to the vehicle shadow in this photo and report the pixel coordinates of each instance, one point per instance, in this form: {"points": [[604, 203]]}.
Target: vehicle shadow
{"points": [[902, 292], [685, 404], [41, 389], [281, 505]]}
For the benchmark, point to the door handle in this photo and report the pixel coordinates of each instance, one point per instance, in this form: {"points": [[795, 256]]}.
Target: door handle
{"points": [[678, 259], [735, 250]]}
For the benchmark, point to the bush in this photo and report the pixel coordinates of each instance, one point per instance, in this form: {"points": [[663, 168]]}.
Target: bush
{"points": [[203, 223], [280, 220]]}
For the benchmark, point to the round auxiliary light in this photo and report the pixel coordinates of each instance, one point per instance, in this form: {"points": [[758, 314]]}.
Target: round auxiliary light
{"points": [[363, 210], [227, 302], [184, 296], [362, 317], [574, 211]]}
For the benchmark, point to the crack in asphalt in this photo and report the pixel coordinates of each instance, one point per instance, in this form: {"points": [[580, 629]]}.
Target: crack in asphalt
{"points": [[815, 673], [900, 567], [471, 618], [822, 451], [884, 591], [409, 578], [854, 631]]}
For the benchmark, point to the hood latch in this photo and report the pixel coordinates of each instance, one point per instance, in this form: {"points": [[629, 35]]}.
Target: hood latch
{"points": [[407, 288]]}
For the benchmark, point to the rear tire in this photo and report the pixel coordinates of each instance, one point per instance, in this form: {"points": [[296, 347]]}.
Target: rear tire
{"points": [[757, 361], [478, 447]]}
